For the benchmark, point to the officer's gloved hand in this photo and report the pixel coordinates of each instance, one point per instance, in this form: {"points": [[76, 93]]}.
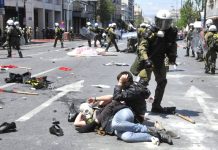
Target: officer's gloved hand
{"points": [[147, 64]]}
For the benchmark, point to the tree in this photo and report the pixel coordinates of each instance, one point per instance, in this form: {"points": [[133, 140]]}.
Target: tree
{"points": [[105, 10], [189, 13]]}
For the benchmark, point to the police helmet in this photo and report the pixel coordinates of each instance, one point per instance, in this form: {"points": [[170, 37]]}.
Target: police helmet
{"points": [[96, 24], [10, 22], [212, 28], [110, 25], [143, 25], [56, 24], [163, 19], [88, 23], [209, 22], [16, 23], [113, 25]]}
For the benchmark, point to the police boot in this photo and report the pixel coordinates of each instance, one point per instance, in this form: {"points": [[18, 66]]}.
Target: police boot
{"points": [[20, 54], [62, 45], [187, 52], [9, 53]]}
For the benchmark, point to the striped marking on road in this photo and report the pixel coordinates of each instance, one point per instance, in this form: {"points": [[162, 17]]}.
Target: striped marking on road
{"points": [[64, 90]]}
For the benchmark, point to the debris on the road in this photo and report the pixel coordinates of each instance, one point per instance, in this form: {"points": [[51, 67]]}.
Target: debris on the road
{"points": [[1, 107], [33, 88], [3, 70], [13, 66], [24, 98], [18, 78], [56, 129], [18, 92], [89, 52], [7, 127], [65, 68], [185, 117], [116, 64], [101, 86], [59, 77]]}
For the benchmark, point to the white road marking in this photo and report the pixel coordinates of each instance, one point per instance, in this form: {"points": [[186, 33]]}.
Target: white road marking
{"points": [[186, 75], [65, 89], [35, 75], [200, 95]]}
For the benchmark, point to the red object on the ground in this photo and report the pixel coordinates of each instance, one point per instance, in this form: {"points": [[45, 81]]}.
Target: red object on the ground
{"points": [[65, 69], [8, 66]]}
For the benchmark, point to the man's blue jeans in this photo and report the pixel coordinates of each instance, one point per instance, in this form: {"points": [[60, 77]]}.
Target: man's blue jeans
{"points": [[127, 130]]}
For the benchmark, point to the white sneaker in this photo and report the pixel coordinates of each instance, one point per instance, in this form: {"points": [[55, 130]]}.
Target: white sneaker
{"points": [[155, 141]]}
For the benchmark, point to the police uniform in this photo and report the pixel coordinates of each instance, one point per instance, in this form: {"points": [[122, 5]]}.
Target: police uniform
{"points": [[111, 39], [150, 58], [13, 39], [210, 57], [58, 36], [189, 39], [71, 34], [98, 36]]}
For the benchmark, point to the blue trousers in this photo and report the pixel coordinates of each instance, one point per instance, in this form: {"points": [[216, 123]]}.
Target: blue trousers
{"points": [[127, 130]]}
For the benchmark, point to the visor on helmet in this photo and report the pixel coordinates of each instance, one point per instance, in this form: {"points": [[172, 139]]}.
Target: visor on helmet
{"points": [[163, 24]]}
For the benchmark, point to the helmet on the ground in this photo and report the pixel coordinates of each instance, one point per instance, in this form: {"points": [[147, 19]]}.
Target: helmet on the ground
{"points": [[16, 23], [212, 28], [56, 24], [163, 19], [88, 23], [86, 110], [96, 24], [10, 22], [209, 22]]}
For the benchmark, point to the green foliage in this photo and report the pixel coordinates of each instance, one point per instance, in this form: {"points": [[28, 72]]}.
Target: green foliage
{"points": [[189, 13], [105, 10]]}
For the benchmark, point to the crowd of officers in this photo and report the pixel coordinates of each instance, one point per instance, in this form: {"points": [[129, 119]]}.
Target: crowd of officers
{"points": [[12, 35], [204, 46]]}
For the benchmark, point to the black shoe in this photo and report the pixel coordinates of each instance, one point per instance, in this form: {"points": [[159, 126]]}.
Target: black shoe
{"points": [[164, 110], [7, 127], [186, 55], [56, 130], [165, 138]]}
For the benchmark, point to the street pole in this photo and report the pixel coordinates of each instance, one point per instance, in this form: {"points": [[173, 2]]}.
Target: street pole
{"points": [[205, 9], [68, 13], [24, 2]]}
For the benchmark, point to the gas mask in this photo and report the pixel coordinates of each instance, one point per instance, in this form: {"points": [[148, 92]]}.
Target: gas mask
{"points": [[86, 110]]}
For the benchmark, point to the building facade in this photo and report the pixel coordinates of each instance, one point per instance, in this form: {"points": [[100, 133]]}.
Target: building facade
{"points": [[212, 11], [127, 10], [42, 14]]}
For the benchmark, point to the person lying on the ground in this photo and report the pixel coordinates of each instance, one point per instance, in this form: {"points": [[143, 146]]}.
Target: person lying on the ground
{"points": [[119, 116]]}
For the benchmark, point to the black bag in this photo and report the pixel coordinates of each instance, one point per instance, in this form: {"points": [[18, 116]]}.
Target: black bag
{"points": [[72, 114]]}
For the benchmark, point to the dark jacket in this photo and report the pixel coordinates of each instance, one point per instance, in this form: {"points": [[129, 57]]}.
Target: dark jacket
{"points": [[134, 97]]}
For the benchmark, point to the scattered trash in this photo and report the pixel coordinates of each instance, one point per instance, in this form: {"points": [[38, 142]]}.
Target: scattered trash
{"points": [[18, 92], [89, 52], [24, 98], [56, 129], [59, 77], [18, 78], [65, 68], [185, 118], [116, 64], [7, 127], [101, 86], [54, 111], [33, 88], [3, 70], [1, 107], [9, 66]]}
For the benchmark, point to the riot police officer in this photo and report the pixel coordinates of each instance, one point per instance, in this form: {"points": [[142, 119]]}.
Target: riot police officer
{"points": [[13, 38], [112, 37], [189, 40], [210, 57], [58, 35], [159, 41], [98, 31]]}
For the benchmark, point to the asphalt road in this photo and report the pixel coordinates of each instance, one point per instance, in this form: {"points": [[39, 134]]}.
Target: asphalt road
{"points": [[189, 89]]}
